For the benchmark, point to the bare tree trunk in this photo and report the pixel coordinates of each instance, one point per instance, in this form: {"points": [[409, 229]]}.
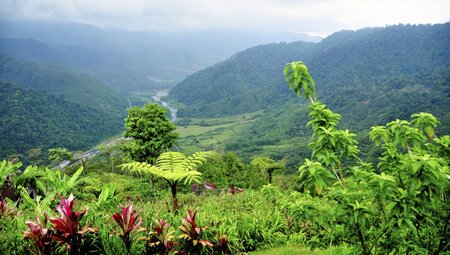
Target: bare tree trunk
{"points": [[173, 188]]}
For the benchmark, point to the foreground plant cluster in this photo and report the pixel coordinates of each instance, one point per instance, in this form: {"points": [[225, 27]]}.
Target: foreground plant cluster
{"points": [[397, 204], [67, 235]]}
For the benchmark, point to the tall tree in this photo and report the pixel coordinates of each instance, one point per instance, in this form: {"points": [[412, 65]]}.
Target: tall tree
{"points": [[151, 130], [56, 155]]}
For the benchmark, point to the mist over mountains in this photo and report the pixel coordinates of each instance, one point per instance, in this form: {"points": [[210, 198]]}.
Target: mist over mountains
{"points": [[93, 74], [125, 59]]}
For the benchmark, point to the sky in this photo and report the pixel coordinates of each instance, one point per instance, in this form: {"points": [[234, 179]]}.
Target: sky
{"points": [[314, 17]]}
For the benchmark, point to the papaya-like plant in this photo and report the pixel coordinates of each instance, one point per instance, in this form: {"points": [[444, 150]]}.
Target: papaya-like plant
{"points": [[398, 206]]}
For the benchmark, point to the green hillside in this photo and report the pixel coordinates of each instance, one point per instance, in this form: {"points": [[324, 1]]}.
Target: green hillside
{"points": [[371, 76], [253, 80], [247, 82], [32, 119], [65, 82], [54, 106]]}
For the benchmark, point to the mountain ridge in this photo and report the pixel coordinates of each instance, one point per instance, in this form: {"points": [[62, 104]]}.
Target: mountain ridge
{"points": [[367, 56], [34, 121]]}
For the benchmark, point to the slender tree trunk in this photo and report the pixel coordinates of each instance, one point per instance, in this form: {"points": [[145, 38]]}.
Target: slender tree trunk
{"points": [[112, 165], [83, 163], [444, 237], [173, 188], [361, 238], [151, 181]]}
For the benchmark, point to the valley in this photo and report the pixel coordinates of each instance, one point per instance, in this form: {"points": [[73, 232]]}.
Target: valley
{"points": [[159, 99], [238, 143]]}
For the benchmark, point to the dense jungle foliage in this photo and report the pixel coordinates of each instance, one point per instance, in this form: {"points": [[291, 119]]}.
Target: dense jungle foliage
{"points": [[370, 76], [348, 60], [54, 106], [33, 121]]}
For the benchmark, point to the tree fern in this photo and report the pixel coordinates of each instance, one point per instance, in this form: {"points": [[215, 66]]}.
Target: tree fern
{"points": [[174, 167]]}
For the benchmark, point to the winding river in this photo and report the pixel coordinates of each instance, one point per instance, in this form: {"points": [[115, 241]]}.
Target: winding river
{"points": [[91, 153], [159, 95]]}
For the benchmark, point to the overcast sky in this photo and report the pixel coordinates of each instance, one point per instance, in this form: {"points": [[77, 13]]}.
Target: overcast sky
{"points": [[316, 17]]}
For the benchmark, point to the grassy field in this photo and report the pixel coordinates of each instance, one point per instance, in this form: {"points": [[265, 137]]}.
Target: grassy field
{"points": [[297, 249], [216, 133], [210, 133]]}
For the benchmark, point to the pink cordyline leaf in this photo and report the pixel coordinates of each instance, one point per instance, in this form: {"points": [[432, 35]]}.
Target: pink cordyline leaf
{"points": [[210, 185], [69, 222], [38, 233], [191, 217], [127, 220], [162, 225], [6, 210], [206, 243]]}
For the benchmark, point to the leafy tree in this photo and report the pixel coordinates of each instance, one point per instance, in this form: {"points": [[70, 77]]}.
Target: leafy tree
{"points": [[109, 151], [174, 167], [399, 207], [57, 155], [151, 130], [299, 79]]}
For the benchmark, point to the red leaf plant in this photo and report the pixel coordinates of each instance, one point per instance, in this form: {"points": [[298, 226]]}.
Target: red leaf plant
{"points": [[40, 236], [160, 239], [6, 210], [68, 230], [128, 221], [221, 245], [192, 234]]}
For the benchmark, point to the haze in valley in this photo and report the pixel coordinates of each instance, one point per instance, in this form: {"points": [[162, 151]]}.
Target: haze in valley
{"points": [[314, 17]]}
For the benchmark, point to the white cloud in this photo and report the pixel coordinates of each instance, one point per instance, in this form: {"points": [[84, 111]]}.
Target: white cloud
{"points": [[319, 17]]}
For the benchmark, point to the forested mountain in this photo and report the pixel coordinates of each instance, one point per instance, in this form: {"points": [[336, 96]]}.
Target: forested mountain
{"points": [[123, 64], [32, 121], [121, 68], [347, 60], [127, 60], [248, 81], [370, 77], [64, 82], [48, 106]]}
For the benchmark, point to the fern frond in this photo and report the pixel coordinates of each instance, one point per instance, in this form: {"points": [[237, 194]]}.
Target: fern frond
{"points": [[140, 167], [170, 161], [172, 166], [195, 159]]}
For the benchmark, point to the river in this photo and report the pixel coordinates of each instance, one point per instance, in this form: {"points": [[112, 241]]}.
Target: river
{"points": [[159, 95], [91, 153]]}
